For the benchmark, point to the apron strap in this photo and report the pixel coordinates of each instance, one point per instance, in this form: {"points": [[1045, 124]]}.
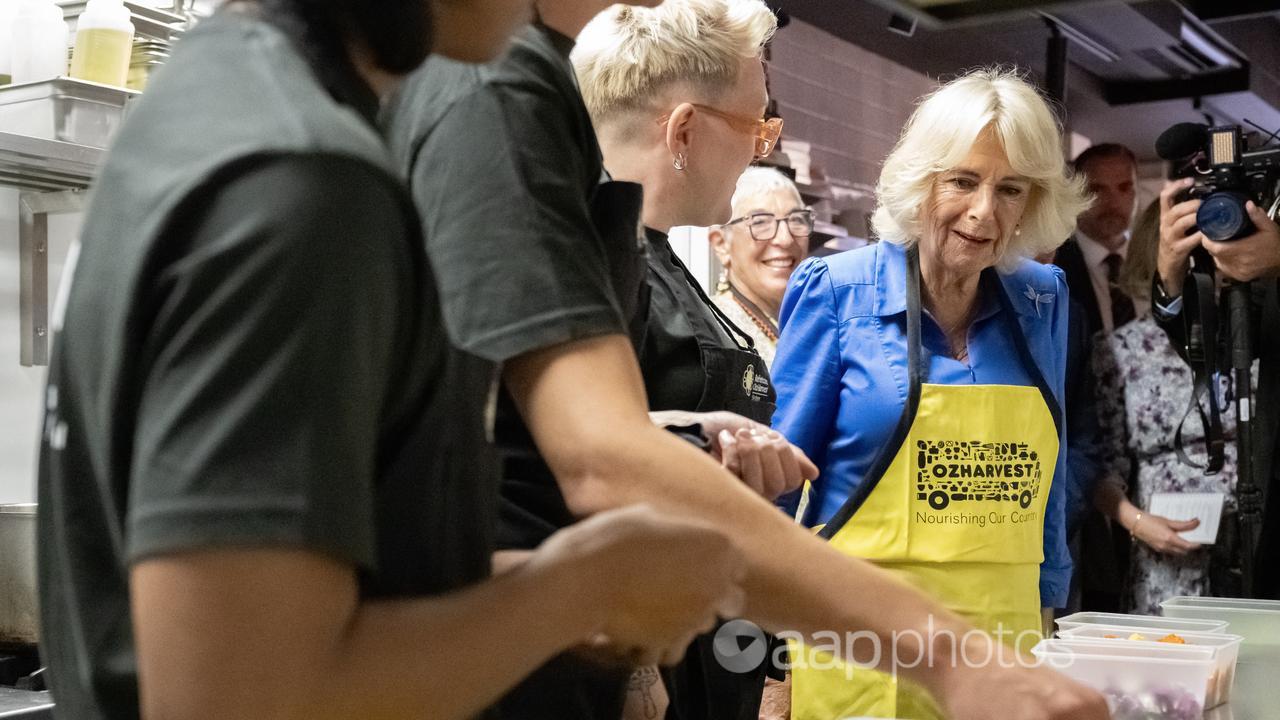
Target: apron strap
{"points": [[915, 377], [744, 341], [917, 373]]}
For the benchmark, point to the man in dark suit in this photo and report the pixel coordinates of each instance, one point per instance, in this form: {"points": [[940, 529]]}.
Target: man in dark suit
{"points": [[1092, 257], [1091, 260]]}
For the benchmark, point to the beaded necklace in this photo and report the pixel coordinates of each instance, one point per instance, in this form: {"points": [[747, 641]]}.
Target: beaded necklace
{"points": [[757, 316]]}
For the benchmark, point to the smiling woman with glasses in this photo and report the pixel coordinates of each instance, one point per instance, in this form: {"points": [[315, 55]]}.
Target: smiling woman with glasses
{"points": [[759, 248]]}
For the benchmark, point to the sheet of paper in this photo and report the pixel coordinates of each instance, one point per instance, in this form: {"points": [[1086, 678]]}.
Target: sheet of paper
{"points": [[1184, 506]]}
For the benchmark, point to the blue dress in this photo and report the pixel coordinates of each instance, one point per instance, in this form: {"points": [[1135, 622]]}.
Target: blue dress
{"points": [[840, 372]]}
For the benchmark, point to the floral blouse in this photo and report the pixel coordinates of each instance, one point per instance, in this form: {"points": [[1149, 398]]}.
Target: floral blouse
{"points": [[1142, 392]]}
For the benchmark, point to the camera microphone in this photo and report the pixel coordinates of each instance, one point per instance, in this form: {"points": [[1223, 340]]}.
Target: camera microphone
{"points": [[1182, 140]]}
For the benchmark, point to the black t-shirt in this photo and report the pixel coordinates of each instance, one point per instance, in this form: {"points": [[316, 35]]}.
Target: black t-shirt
{"points": [[506, 160], [250, 356], [506, 157]]}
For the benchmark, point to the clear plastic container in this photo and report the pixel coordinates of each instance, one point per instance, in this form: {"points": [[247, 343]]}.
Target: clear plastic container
{"points": [[148, 23], [38, 42], [1130, 675], [6, 54], [1140, 621], [104, 43], [1226, 650], [1257, 621]]}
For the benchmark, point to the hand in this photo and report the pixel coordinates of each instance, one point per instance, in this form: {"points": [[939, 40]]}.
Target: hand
{"points": [[1252, 256], [712, 423], [1173, 258], [1012, 691], [765, 461], [762, 458], [1161, 533], [660, 580]]}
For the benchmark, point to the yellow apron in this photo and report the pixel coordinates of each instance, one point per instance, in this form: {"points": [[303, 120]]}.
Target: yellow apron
{"points": [[957, 513]]}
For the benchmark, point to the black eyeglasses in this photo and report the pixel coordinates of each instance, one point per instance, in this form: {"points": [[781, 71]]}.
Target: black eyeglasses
{"points": [[764, 226]]}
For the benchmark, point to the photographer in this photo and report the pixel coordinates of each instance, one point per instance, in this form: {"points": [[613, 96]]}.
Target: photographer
{"points": [[1255, 257]]}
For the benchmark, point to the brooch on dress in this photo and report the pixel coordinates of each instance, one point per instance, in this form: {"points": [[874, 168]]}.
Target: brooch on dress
{"points": [[1038, 298]]}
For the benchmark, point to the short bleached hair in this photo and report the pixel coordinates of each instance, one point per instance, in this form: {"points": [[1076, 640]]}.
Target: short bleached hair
{"points": [[762, 181], [628, 55], [939, 136]]}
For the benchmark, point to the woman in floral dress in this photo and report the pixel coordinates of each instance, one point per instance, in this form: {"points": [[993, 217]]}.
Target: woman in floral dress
{"points": [[1143, 391]]}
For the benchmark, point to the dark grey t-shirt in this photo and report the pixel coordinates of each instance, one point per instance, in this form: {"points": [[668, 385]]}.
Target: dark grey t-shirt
{"points": [[505, 158], [252, 355], [511, 235], [504, 163]]}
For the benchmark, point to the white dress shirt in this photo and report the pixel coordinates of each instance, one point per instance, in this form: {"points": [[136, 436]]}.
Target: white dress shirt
{"points": [[1095, 258]]}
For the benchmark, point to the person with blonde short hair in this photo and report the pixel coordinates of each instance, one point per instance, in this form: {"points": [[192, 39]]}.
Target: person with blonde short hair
{"points": [[926, 374], [677, 97], [758, 250]]}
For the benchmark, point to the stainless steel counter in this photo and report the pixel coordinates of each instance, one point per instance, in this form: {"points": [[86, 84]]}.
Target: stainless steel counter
{"points": [[1256, 695], [25, 704]]}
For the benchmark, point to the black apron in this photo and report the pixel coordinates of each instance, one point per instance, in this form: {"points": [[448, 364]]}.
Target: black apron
{"points": [[730, 375], [693, 356]]}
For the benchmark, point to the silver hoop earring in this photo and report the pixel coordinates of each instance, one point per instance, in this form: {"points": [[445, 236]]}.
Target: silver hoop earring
{"points": [[678, 162]]}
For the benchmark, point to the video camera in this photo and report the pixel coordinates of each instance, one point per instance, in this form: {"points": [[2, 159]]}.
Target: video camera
{"points": [[1227, 175]]}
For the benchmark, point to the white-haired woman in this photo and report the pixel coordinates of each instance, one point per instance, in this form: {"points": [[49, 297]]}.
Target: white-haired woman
{"points": [[925, 374], [759, 248]]}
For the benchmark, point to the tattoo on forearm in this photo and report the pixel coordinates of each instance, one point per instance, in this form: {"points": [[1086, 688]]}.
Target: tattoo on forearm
{"points": [[642, 683]]}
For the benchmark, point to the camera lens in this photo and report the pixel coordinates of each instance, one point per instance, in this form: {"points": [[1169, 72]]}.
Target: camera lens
{"points": [[1222, 216]]}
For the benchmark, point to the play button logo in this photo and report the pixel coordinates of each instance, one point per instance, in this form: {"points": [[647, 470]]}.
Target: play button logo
{"points": [[740, 646]]}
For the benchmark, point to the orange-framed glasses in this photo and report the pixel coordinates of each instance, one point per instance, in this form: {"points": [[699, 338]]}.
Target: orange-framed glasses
{"points": [[766, 132]]}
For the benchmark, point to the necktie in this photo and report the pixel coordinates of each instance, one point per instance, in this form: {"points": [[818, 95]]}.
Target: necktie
{"points": [[1121, 305]]}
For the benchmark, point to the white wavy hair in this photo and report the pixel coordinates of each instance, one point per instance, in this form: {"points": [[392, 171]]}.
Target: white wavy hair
{"points": [[759, 181], [939, 136], [628, 54]]}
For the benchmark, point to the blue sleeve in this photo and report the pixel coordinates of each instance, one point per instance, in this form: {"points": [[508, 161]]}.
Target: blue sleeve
{"points": [[1084, 451], [1055, 571], [806, 368]]}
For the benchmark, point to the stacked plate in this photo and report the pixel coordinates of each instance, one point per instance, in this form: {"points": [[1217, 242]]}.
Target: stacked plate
{"points": [[148, 54]]}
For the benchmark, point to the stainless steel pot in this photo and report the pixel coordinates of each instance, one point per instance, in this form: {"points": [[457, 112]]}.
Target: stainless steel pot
{"points": [[18, 609]]}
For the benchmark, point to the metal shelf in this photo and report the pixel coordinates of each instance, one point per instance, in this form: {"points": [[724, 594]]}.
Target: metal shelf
{"points": [[52, 176], [39, 165]]}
